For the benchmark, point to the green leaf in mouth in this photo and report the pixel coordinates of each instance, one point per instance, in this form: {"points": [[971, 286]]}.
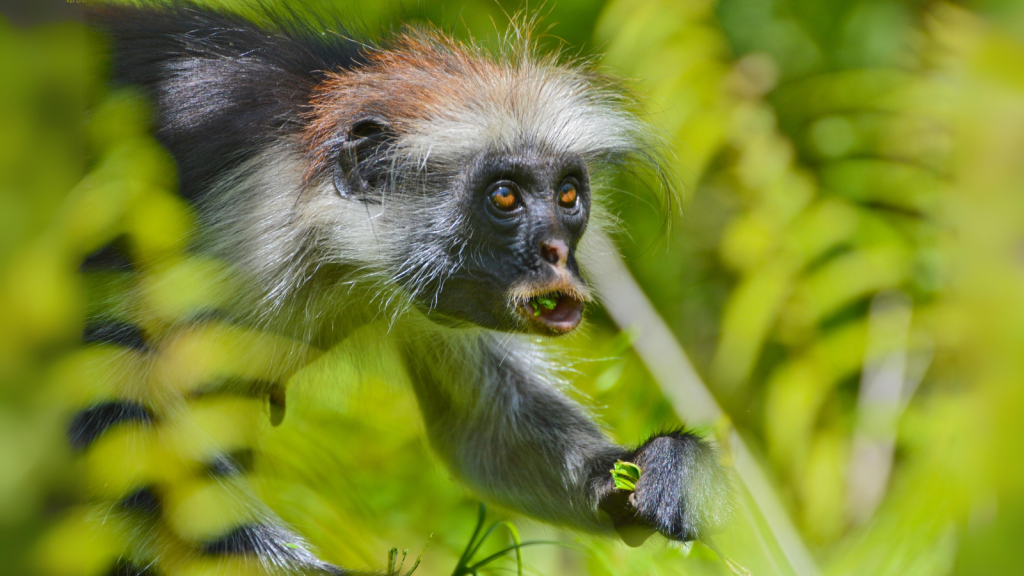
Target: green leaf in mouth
{"points": [[548, 302], [545, 302]]}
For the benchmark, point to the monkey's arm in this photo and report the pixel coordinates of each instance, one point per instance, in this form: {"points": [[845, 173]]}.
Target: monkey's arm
{"points": [[505, 429]]}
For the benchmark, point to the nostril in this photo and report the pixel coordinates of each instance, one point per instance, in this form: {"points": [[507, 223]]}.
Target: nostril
{"points": [[555, 252]]}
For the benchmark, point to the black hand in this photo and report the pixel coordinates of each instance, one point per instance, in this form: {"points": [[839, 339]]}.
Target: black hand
{"points": [[683, 492]]}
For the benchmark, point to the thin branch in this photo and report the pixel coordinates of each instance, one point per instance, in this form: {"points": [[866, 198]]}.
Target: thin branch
{"points": [[666, 360]]}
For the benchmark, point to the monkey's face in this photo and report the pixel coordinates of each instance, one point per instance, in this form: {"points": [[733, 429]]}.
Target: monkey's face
{"points": [[478, 167], [482, 237], [522, 218]]}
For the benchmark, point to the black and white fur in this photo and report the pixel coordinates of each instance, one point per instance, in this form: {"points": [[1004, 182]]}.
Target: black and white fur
{"points": [[346, 185]]}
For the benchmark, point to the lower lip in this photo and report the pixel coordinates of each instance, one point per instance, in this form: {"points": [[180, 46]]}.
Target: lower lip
{"points": [[565, 316]]}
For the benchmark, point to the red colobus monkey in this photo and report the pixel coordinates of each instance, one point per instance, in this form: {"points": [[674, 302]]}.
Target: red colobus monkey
{"points": [[418, 193]]}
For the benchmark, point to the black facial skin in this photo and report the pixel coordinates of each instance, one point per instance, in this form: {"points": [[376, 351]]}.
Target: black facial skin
{"points": [[506, 247]]}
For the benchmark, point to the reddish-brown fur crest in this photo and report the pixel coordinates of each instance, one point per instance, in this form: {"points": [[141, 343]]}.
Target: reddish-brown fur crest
{"points": [[399, 83], [430, 86]]}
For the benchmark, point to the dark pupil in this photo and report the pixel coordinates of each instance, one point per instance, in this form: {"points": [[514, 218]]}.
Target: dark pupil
{"points": [[567, 195], [504, 198]]}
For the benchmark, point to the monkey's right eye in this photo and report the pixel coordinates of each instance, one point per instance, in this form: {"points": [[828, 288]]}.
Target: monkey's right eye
{"points": [[504, 198]]}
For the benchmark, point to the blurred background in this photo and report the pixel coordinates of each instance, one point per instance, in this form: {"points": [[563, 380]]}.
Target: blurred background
{"points": [[846, 274]]}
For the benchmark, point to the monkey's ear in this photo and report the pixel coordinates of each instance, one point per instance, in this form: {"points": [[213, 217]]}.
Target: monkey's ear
{"points": [[361, 167]]}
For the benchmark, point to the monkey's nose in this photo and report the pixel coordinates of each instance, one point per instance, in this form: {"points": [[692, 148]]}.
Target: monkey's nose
{"points": [[555, 252]]}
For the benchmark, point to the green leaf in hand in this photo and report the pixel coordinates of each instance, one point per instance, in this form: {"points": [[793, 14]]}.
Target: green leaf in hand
{"points": [[626, 475]]}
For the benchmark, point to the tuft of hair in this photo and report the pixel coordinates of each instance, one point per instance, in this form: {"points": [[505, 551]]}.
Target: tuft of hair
{"points": [[447, 101]]}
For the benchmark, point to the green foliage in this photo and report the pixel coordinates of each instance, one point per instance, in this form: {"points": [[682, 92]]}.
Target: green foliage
{"points": [[846, 274], [834, 200], [467, 567], [397, 569]]}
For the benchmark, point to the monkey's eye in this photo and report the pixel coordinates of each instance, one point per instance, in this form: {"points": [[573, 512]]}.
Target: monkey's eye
{"points": [[567, 197], [504, 198]]}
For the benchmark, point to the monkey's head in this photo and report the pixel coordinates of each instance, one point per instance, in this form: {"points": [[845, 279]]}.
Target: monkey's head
{"points": [[476, 175]]}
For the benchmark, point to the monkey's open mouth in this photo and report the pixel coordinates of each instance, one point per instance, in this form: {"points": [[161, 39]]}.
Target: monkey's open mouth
{"points": [[556, 311]]}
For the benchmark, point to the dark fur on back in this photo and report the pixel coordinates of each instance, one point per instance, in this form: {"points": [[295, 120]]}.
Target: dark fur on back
{"points": [[224, 87]]}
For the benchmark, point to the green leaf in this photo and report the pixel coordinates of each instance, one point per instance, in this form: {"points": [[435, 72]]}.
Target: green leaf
{"points": [[392, 557], [626, 475], [547, 302]]}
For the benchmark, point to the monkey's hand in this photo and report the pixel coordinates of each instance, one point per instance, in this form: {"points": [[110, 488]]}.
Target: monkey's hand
{"points": [[682, 493]]}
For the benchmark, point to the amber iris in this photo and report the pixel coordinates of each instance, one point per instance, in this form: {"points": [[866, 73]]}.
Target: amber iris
{"points": [[504, 198], [567, 195]]}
